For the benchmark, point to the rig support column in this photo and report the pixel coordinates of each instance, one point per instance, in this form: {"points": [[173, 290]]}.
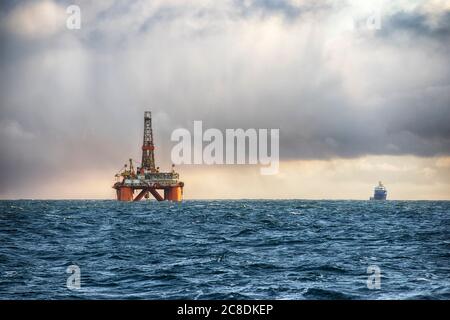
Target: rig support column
{"points": [[125, 194], [173, 194]]}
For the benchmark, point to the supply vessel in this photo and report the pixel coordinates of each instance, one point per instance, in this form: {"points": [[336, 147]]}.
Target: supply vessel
{"points": [[380, 192]]}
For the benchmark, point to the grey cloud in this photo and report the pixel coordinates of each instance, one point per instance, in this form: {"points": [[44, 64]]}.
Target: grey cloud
{"points": [[75, 100], [288, 9], [418, 24]]}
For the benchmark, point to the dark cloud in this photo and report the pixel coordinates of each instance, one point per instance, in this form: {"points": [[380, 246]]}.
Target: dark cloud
{"points": [[284, 7], [418, 24], [7, 5]]}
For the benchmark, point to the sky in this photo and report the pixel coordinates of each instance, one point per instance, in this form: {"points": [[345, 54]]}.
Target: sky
{"points": [[360, 91]]}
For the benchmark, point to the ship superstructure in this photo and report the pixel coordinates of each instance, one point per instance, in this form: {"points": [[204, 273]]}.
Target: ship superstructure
{"points": [[380, 192]]}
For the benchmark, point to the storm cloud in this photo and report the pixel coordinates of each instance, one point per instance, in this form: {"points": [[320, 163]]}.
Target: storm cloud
{"points": [[73, 100]]}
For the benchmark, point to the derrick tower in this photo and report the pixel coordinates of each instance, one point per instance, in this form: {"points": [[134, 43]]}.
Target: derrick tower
{"points": [[148, 148]]}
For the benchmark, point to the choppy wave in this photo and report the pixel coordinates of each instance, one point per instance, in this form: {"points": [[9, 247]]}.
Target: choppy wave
{"points": [[293, 249]]}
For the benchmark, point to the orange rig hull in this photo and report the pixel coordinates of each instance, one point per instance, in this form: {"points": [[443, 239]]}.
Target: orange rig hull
{"points": [[126, 193]]}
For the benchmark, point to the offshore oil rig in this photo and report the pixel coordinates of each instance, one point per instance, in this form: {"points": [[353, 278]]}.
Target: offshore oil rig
{"points": [[147, 177]]}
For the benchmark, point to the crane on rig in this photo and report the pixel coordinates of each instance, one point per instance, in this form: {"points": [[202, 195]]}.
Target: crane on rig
{"points": [[147, 179]]}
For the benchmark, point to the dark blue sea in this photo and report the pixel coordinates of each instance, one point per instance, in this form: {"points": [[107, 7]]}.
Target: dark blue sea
{"points": [[246, 249]]}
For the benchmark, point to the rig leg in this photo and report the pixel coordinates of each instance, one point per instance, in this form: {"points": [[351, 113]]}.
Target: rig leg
{"points": [[173, 194], [125, 194], [141, 194], [156, 194]]}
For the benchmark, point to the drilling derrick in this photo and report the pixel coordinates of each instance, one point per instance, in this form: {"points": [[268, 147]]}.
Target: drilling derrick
{"points": [[148, 155], [147, 179]]}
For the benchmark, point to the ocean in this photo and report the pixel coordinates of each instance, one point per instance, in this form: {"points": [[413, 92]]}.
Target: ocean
{"points": [[225, 249]]}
